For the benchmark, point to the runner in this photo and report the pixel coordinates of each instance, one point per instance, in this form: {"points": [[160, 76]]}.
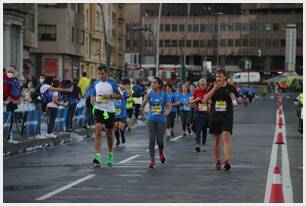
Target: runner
{"points": [[171, 117], [105, 91], [200, 115], [186, 109], [160, 108], [221, 117], [192, 125], [130, 108], [121, 113]]}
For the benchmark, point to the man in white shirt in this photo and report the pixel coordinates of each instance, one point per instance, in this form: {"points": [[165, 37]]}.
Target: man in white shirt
{"points": [[105, 91]]}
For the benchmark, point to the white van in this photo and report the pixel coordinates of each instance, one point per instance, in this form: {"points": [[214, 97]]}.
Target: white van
{"points": [[242, 77]]}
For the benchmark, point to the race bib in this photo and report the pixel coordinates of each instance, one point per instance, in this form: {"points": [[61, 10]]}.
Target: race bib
{"points": [[156, 109], [117, 111], [220, 106], [101, 99], [203, 107], [186, 107]]}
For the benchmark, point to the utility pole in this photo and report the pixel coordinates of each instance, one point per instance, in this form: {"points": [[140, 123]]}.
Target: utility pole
{"points": [[157, 40]]}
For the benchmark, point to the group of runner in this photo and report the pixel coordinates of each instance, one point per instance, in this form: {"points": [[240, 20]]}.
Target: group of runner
{"points": [[207, 106]]}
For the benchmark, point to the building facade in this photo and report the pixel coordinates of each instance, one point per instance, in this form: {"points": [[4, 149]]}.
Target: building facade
{"points": [[19, 35], [242, 35], [60, 40]]}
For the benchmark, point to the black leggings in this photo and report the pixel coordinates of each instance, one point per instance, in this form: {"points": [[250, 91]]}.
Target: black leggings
{"points": [[170, 120], [186, 119], [52, 112]]}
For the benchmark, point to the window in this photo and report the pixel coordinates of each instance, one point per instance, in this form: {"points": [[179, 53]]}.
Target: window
{"points": [[167, 43], [174, 27], [77, 36], [174, 43], [245, 27], [299, 27], [146, 43], [47, 32], [252, 42], [203, 43], [275, 43], [223, 27], [181, 27], [268, 27], [230, 43], [72, 34], [237, 27], [161, 43], [188, 43], [223, 43], [167, 27], [196, 27], [209, 43], [245, 42], [189, 27], [215, 43], [82, 37], [14, 44], [268, 43], [283, 42], [260, 27], [210, 28], [260, 43], [202, 27], [128, 43], [181, 43], [299, 42], [253, 26], [161, 27], [237, 43], [195, 43], [230, 27], [150, 43], [275, 27]]}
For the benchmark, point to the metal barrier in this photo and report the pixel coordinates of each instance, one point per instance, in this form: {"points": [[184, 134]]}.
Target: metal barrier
{"points": [[60, 121], [7, 116]]}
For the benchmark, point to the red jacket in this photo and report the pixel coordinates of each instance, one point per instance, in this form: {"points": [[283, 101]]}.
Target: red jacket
{"points": [[7, 89]]}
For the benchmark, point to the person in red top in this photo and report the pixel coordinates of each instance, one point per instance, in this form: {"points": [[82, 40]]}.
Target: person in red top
{"points": [[200, 115], [10, 99]]}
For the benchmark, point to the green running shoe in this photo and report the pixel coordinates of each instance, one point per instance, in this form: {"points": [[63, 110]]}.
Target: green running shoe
{"points": [[110, 159], [97, 160]]}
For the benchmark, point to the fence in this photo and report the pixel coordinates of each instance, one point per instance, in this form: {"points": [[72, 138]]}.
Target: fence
{"points": [[30, 123]]}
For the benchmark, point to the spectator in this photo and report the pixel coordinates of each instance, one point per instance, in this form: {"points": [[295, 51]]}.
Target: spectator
{"points": [[89, 106], [73, 100], [52, 108], [29, 78], [84, 83], [11, 96]]}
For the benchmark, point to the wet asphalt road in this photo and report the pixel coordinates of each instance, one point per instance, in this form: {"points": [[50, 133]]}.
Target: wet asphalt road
{"points": [[186, 177]]}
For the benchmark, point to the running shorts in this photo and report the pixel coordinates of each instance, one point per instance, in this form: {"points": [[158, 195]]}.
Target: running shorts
{"points": [[99, 118], [217, 126]]}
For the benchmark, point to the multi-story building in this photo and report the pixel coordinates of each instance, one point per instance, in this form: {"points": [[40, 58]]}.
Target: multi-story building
{"points": [[241, 35], [19, 35], [94, 39], [60, 40]]}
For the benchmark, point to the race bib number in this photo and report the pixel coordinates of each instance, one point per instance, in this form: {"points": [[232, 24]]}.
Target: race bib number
{"points": [[117, 111], [186, 107], [220, 106], [203, 107], [101, 99], [156, 109]]}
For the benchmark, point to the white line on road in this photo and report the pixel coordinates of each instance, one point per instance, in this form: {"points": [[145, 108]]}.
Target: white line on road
{"points": [[156, 146], [128, 159], [66, 187], [176, 138]]}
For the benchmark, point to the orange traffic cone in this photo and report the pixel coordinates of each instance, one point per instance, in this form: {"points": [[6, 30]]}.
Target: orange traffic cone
{"points": [[277, 195]]}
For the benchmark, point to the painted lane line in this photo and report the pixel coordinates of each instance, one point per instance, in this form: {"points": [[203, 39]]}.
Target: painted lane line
{"points": [[176, 138], [273, 162], [156, 146], [66, 187], [129, 159]]}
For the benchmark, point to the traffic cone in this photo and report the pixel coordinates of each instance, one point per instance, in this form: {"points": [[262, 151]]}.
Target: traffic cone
{"points": [[280, 122], [280, 112], [280, 138], [277, 195]]}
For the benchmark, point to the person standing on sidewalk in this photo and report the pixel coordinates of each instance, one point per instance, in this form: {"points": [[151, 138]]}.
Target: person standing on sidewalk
{"points": [[104, 93], [200, 115], [221, 117], [160, 107]]}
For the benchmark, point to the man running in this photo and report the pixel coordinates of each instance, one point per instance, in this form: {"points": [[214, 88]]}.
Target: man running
{"points": [[105, 91], [221, 117]]}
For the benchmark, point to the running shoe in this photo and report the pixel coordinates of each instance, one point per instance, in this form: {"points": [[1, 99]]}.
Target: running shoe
{"points": [[184, 134], [198, 148], [162, 157], [204, 148], [172, 134], [123, 140], [151, 163], [118, 143], [110, 159], [218, 165], [97, 160], [227, 166]]}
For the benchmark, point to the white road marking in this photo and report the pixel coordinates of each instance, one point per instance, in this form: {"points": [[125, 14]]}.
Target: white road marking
{"points": [[128, 159], [66, 187], [156, 146], [176, 138]]}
